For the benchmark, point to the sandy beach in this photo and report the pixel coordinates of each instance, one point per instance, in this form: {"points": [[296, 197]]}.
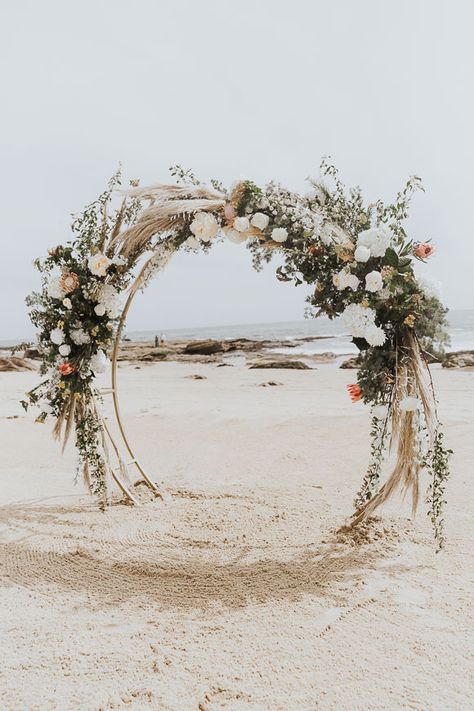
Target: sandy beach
{"points": [[235, 592]]}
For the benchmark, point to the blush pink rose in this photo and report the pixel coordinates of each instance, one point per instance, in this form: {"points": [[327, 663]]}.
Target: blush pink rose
{"points": [[424, 250]]}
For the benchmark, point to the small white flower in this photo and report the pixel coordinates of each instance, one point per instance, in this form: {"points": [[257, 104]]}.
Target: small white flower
{"points": [[204, 226], [374, 335], [99, 362], [67, 303], [241, 224], [80, 337], [260, 221], [99, 309], [409, 404], [373, 281], [98, 264], [384, 294], [279, 234], [57, 336], [235, 236], [379, 412], [64, 350], [362, 254]]}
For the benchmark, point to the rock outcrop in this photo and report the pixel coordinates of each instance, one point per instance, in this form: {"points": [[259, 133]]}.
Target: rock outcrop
{"points": [[14, 363], [461, 359], [287, 364]]}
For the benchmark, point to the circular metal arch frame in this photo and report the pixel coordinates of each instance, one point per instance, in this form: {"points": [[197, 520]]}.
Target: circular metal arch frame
{"points": [[116, 404]]}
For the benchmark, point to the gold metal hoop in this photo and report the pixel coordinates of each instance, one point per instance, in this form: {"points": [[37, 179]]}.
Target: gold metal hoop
{"points": [[115, 399]]}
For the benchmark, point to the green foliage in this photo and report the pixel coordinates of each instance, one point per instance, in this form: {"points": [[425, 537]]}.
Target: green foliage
{"points": [[437, 465]]}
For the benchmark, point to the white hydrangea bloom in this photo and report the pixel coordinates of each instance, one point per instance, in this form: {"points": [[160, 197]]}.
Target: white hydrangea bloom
{"points": [[374, 335], [109, 298], [279, 234], [80, 337], [64, 350], [376, 239], [99, 362], [429, 287], [53, 288], [357, 318]]}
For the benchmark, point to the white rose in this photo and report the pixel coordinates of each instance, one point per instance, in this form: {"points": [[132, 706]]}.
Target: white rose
{"points": [[234, 236], [241, 224], [67, 303], [409, 404], [64, 350], [362, 254], [57, 336], [98, 264], [374, 335], [352, 282], [192, 242], [99, 362], [345, 280], [260, 221], [373, 281], [279, 234], [99, 309], [204, 226], [379, 412]]}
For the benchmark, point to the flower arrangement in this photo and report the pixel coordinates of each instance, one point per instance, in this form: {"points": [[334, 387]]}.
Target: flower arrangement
{"points": [[357, 257]]}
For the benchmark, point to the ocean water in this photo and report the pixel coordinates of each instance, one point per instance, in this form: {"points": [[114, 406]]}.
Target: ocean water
{"points": [[329, 335]]}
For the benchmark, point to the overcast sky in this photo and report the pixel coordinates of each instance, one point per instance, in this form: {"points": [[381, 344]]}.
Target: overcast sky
{"points": [[232, 88]]}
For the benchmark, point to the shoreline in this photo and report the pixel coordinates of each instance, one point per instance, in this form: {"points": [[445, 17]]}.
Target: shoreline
{"points": [[240, 352]]}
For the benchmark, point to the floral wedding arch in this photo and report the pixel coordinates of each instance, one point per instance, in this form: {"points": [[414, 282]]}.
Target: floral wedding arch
{"points": [[357, 257]]}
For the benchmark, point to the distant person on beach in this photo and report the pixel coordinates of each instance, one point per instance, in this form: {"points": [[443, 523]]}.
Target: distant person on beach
{"points": [[159, 340]]}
